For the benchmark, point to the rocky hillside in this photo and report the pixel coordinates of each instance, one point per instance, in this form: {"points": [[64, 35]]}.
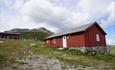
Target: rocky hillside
{"points": [[32, 55]]}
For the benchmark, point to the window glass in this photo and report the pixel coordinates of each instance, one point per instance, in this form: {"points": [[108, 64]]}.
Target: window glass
{"points": [[97, 37], [54, 41], [47, 41]]}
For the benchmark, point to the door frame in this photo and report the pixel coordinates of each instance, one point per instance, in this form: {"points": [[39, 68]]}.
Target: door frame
{"points": [[64, 41]]}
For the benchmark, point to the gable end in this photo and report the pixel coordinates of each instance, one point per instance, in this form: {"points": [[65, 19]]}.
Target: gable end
{"points": [[98, 26]]}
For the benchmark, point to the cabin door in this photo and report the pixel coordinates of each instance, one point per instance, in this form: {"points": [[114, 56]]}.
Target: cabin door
{"points": [[64, 42]]}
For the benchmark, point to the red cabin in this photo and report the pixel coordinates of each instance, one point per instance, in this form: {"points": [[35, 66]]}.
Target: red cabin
{"points": [[89, 37]]}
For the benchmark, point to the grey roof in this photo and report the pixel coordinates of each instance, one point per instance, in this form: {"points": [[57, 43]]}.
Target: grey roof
{"points": [[77, 29]]}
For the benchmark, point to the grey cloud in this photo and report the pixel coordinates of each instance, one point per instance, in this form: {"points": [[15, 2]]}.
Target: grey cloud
{"points": [[62, 18], [52, 15]]}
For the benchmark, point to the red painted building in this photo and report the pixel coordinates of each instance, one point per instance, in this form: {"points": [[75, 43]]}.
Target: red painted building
{"points": [[90, 37]]}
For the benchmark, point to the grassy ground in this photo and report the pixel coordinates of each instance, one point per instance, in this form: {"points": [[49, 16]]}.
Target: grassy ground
{"points": [[76, 58], [10, 48]]}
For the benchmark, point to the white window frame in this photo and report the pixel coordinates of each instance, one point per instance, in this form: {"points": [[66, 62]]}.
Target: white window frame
{"points": [[47, 41], [97, 37], [54, 41], [68, 37]]}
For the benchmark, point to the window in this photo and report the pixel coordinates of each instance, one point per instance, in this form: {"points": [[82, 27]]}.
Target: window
{"points": [[47, 41], [97, 37], [68, 37], [54, 41]]}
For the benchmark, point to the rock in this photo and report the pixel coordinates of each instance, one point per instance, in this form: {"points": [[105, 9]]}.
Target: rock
{"points": [[60, 49], [1, 42], [32, 44]]}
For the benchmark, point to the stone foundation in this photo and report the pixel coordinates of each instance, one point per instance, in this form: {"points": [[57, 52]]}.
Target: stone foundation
{"points": [[100, 49]]}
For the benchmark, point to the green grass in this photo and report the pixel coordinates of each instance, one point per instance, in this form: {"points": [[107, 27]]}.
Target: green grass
{"points": [[11, 49], [112, 50], [78, 58], [8, 48], [34, 35]]}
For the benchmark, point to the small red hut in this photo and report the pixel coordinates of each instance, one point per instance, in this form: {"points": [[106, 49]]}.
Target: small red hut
{"points": [[89, 37]]}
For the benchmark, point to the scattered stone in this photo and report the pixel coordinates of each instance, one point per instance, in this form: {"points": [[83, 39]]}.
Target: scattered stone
{"points": [[1, 42], [26, 60], [33, 44], [60, 49]]}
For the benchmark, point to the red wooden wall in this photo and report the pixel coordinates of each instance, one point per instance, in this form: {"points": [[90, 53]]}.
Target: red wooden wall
{"points": [[76, 40], [90, 37], [81, 39], [58, 42]]}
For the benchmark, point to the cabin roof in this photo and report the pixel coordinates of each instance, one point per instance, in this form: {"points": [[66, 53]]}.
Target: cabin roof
{"points": [[75, 30], [9, 33]]}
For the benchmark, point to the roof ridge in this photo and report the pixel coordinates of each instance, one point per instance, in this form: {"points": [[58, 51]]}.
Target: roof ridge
{"points": [[77, 29]]}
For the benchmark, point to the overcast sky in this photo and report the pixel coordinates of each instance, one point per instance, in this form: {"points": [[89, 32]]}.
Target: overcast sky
{"points": [[58, 15]]}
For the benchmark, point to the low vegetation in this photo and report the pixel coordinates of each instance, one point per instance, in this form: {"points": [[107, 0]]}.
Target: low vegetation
{"points": [[34, 35], [11, 49], [77, 58]]}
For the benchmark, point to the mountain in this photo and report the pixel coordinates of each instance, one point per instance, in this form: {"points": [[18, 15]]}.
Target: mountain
{"points": [[41, 29], [36, 34], [17, 30]]}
